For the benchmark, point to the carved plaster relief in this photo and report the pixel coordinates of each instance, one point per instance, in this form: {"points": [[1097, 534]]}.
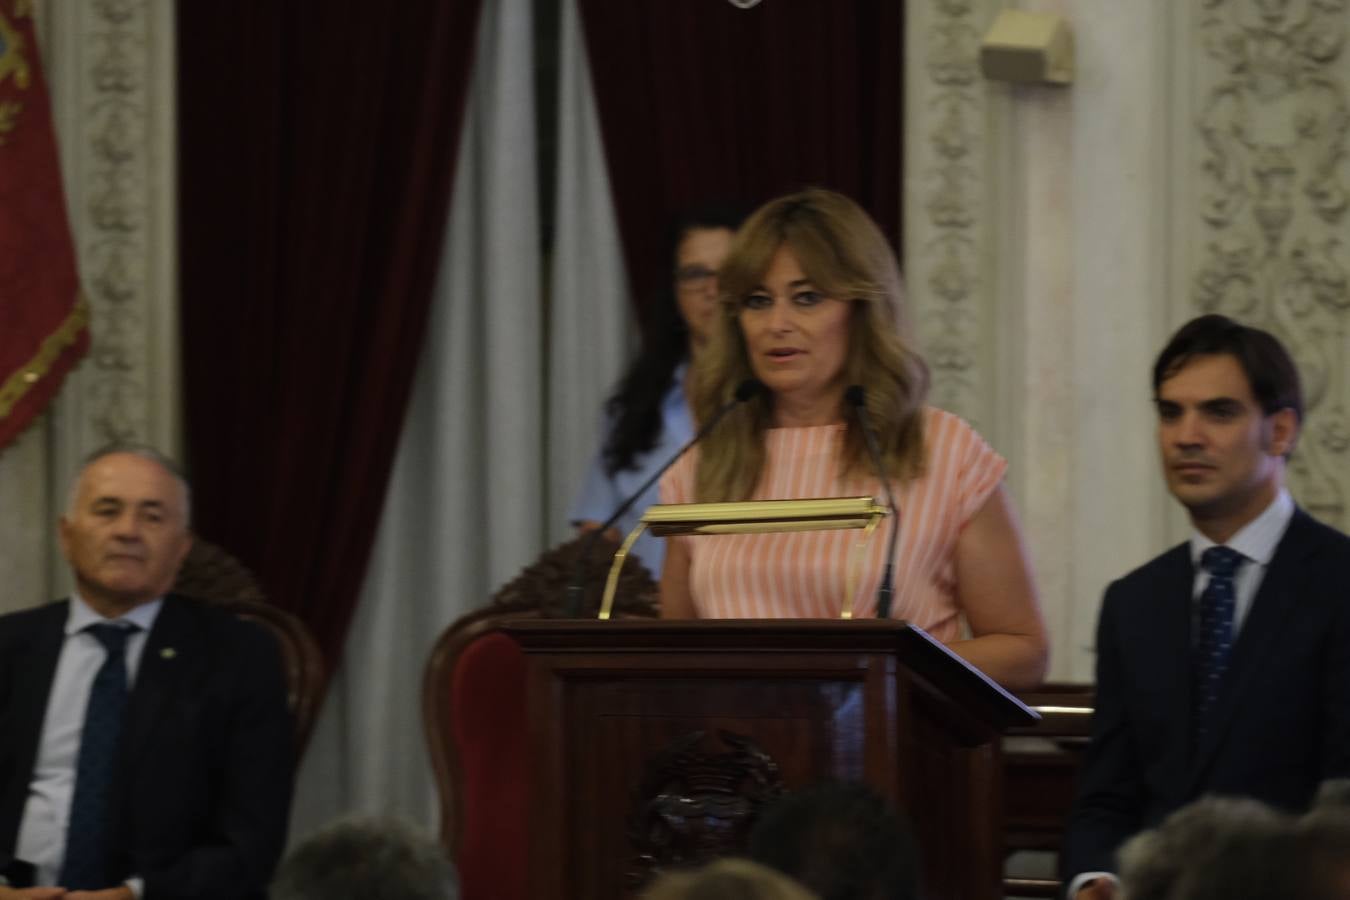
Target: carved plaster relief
{"points": [[1272, 122], [945, 215], [113, 239], [110, 66]]}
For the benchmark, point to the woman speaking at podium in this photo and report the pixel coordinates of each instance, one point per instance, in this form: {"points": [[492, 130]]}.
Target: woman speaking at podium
{"points": [[811, 306]]}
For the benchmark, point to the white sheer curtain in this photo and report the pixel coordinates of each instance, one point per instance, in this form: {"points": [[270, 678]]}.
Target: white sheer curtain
{"points": [[590, 319], [465, 505]]}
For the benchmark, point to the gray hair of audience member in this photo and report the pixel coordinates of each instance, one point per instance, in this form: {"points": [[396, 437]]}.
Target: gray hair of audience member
{"points": [[727, 879], [841, 840], [1206, 849], [364, 857], [1321, 851], [1333, 794], [1304, 859], [144, 451]]}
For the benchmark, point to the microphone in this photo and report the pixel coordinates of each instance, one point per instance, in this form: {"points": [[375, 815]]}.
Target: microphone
{"points": [[855, 398], [576, 591]]}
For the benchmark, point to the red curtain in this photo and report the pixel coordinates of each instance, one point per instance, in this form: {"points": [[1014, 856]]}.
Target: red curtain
{"points": [[317, 147], [43, 320], [699, 99]]}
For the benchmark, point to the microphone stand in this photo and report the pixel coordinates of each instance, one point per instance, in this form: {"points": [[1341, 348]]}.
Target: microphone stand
{"points": [[576, 589], [854, 397]]}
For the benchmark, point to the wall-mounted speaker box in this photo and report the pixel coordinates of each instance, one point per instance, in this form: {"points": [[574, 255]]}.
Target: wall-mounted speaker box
{"points": [[1027, 47]]}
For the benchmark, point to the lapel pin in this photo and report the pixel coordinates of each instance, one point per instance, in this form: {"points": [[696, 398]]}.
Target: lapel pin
{"points": [[168, 653]]}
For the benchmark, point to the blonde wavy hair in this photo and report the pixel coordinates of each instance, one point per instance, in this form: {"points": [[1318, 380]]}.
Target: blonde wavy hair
{"points": [[843, 252]]}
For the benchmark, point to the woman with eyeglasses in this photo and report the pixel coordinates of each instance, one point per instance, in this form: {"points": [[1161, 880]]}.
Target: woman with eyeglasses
{"points": [[647, 418]]}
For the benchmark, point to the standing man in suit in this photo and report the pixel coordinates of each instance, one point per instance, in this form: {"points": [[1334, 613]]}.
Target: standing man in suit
{"points": [[145, 744], [1223, 666]]}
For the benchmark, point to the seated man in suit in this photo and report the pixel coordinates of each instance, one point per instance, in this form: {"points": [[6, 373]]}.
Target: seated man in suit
{"points": [[1223, 666], [145, 745]]}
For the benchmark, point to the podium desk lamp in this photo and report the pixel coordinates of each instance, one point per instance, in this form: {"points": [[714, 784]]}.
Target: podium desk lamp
{"points": [[756, 517]]}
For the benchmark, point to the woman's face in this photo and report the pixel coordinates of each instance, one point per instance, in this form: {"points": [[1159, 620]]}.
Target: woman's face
{"points": [[797, 338], [698, 258]]}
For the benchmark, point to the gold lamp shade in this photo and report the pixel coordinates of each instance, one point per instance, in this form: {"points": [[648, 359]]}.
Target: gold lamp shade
{"points": [[755, 517]]}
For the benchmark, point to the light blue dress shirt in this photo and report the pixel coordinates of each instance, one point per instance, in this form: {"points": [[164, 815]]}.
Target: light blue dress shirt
{"points": [[46, 814]]}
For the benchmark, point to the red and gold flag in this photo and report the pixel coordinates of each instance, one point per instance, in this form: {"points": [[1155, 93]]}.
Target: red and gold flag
{"points": [[44, 319]]}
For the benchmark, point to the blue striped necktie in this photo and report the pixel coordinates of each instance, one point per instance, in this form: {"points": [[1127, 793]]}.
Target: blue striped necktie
{"points": [[86, 862], [1215, 640]]}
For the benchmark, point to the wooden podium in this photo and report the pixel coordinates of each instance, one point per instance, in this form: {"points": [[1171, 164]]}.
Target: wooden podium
{"points": [[653, 741]]}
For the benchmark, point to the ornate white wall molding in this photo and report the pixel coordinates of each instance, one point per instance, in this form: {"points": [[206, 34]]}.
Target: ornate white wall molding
{"points": [[112, 75], [948, 195], [1267, 146], [1036, 224]]}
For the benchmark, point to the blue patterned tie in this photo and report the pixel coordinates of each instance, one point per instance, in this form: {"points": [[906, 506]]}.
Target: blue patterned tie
{"points": [[86, 862], [1216, 630]]}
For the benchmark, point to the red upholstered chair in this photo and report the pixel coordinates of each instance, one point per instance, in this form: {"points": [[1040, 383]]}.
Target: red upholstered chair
{"points": [[473, 708]]}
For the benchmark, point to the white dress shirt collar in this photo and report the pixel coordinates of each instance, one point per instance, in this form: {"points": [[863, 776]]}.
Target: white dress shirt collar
{"points": [[1257, 539], [82, 615]]}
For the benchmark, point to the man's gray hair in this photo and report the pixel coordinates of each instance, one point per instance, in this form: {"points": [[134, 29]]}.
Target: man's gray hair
{"points": [[1333, 795], [144, 451], [1192, 853], [1322, 852], [362, 857], [1224, 848]]}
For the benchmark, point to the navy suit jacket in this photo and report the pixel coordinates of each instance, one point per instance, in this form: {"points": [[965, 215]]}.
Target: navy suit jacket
{"points": [[205, 777], [1282, 720]]}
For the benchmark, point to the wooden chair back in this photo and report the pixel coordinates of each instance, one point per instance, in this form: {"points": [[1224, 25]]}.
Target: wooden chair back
{"points": [[213, 575]]}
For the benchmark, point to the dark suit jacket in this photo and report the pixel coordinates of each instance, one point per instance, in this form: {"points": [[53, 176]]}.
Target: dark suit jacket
{"points": [[1282, 720], [205, 779]]}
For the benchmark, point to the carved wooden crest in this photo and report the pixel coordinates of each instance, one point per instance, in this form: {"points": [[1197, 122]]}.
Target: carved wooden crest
{"points": [[693, 806], [542, 585]]}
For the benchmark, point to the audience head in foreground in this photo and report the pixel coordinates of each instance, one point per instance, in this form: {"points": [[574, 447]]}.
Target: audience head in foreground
{"points": [[1221, 848], [727, 879], [361, 858], [1333, 796], [1197, 847], [812, 309], [840, 840]]}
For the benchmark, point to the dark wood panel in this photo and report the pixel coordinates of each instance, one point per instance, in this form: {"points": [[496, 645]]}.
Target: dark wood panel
{"points": [[1040, 775], [1041, 763], [810, 728], [868, 700]]}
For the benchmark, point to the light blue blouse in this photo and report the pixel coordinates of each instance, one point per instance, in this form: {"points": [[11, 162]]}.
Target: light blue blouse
{"points": [[602, 493]]}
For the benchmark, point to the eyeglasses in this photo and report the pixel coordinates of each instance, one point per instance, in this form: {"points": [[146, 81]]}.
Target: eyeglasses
{"points": [[694, 278]]}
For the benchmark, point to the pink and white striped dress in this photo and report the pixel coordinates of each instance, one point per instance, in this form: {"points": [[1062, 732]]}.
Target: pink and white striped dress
{"points": [[803, 574]]}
